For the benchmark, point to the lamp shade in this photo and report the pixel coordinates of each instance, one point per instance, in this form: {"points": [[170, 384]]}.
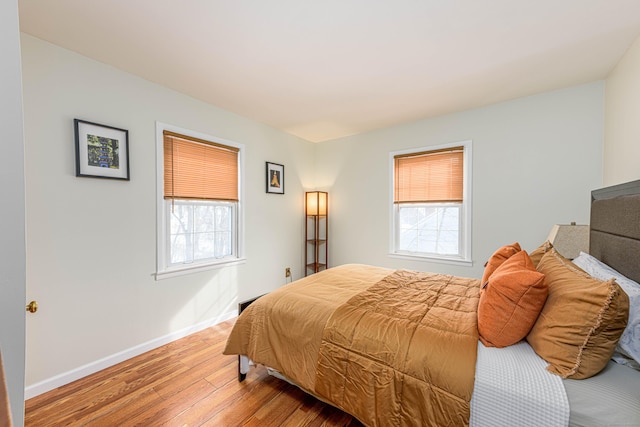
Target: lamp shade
{"points": [[570, 239], [316, 203]]}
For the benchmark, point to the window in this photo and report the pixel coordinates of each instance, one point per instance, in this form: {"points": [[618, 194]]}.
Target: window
{"points": [[200, 230], [431, 202], [198, 202]]}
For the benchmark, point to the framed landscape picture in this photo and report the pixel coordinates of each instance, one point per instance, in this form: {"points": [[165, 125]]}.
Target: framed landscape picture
{"points": [[101, 151], [275, 178]]}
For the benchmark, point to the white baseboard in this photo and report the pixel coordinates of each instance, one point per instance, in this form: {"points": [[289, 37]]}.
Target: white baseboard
{"points": [[93, 367]]}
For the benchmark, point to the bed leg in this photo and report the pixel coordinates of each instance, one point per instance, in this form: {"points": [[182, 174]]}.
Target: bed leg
{"points": [[244, 364], [241, 376], [243, 361]]}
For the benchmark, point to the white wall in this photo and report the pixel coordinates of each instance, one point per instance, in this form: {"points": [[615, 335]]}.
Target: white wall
{"points": [[12, 213], [535, 161], [622, 122], [91, 243]]}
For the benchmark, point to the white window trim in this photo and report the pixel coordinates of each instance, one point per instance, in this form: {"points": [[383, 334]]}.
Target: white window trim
{"points": [[465, 211], [163, 270]]}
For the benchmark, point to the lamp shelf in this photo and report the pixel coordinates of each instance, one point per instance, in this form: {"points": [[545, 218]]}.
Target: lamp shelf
{"points": [[317, 266], [316, 232]]}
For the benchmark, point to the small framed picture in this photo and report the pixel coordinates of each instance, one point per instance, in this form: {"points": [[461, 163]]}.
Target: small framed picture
{"points": [[101, 151], [275, 178]]}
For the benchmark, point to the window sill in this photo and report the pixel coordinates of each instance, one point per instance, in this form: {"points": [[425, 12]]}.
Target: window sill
{"points": [[196, 268], [430, 258]]}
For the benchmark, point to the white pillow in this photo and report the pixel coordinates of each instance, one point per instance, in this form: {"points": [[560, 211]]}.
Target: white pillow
{"points": [[629, 344]]}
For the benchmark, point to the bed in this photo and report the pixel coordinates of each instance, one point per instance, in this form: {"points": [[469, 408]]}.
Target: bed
{"points": [[396, 347]]}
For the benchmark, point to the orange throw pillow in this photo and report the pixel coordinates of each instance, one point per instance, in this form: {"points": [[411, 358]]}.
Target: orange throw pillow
{"points": [[511, 302], [498, 257]]}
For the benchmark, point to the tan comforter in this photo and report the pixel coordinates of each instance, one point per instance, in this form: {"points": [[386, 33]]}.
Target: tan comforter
{"points": [[390, 347]]}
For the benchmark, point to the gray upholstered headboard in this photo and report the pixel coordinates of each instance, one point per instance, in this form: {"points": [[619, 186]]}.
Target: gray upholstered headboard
{"points": [[615, 227]]}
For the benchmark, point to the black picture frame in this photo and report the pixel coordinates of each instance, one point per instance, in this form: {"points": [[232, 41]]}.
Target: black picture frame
{"points": [[102, 151], [275, 178]]}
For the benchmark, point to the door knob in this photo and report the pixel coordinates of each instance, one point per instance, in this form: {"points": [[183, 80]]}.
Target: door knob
{"points": [[32, 307]]}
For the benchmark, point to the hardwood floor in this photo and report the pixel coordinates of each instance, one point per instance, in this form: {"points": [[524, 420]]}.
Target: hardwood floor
{"points": [[188, 382]]}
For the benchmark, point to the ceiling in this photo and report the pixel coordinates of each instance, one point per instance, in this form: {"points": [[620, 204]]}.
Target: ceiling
{"points": [[327, 69]]}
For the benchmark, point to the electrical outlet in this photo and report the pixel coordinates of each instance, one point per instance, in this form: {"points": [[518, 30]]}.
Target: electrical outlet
{"points": [[287, 272]]}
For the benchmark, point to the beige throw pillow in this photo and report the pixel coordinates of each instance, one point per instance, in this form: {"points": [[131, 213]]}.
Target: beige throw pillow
{"points": [[581, 321], [539, 252]]}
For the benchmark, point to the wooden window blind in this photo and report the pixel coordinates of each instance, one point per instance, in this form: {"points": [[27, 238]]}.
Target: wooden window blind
{"points": [[199, 169], [430, 176]]}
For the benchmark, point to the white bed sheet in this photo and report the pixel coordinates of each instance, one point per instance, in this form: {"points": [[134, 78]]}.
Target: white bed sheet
{"points": [[513, 388], [610, 398]]}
